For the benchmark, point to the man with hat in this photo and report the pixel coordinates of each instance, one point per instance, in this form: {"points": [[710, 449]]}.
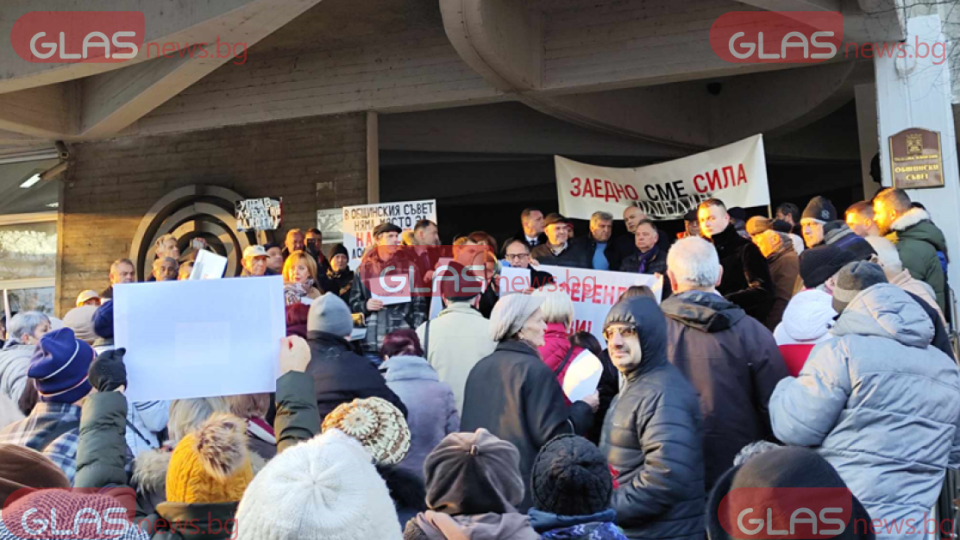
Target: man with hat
{"points": [[88, 298], [782, 260], [558, 251], [878, 401], [389, 270], [821, 226], [59, 368], [338, 278], [254, 261]]}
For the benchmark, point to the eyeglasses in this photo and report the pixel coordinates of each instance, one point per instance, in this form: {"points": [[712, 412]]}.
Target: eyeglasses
{"points": [[624, 331], [518, 256]]}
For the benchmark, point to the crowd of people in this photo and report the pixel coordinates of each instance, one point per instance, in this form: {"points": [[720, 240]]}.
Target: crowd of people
{"points": [[806, 351]]}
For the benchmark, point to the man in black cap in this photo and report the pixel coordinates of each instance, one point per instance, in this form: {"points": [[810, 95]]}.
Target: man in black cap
{"points": [[821, 226], [338, 279], [819, 266], [558, 251], [878, 401], [386, 274]]}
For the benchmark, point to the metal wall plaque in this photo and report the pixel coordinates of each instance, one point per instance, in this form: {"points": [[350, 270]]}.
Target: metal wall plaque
{"points": [[915, 159]]}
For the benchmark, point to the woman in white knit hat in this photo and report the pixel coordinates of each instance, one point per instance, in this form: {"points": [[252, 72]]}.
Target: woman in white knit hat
{"points": [[513, 394]]}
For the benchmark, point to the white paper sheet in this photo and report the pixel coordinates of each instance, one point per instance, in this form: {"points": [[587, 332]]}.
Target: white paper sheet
{"points": [[582, 376], [208, 265], [188, 339]]}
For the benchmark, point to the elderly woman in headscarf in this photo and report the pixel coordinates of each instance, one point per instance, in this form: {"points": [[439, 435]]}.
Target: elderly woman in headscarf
{"points": [[513, 394]]}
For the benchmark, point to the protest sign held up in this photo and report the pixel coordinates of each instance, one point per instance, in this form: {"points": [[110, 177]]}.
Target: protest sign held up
{"points": [[259, 214], [359, 222]]}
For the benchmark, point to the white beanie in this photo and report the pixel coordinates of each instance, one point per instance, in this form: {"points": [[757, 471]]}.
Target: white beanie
{"points": [[322, 489], [510, 313]]}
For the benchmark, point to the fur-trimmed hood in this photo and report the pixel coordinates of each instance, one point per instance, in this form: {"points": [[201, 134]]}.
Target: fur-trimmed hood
{"points": [[150, 469], [909, 219]]}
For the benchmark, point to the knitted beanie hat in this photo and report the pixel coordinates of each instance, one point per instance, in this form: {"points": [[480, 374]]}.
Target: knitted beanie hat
{"points": [[321, 489], [571, 478], [211, 465], [853, 279], [821, 209], [338, 249], [22, 467], [330, 314], [59, 367], [376, 424], [103, 320], [819, 263]]}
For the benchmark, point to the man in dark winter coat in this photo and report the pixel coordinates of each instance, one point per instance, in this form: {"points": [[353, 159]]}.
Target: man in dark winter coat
{"points": [[338, 279], [648, 258], [730, 358], [602, 252], [746, 277], [651, 435], [339, 374], [559, 250], [918, 240], [783, 262]]}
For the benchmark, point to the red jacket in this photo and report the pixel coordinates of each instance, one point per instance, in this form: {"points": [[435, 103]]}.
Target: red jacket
{"points": [[555, 348]]}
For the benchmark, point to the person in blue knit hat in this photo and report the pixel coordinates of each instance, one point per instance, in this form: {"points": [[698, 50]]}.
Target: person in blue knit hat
{"points": [[59, 369]]}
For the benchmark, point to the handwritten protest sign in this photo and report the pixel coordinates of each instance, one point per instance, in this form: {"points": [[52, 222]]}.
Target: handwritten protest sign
{"points": [[259, 214], [360, 221], [593, 292], [735, 173], [225, 339]]}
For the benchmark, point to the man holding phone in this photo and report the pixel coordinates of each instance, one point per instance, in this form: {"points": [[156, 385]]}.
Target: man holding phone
{"points": [[314, 246]]}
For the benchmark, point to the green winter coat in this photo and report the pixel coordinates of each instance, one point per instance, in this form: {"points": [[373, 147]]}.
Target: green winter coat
{"points": [[918, 240]]}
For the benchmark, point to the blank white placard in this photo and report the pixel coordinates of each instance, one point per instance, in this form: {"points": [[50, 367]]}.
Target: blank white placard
{"points": [[200, 338]]}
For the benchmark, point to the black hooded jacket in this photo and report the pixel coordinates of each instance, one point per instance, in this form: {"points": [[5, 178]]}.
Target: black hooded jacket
{"points": [[746, 277], [733, 363], [652, 437]]}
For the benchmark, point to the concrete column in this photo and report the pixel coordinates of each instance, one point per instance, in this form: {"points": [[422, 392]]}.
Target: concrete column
{"points": [[867, 130], [373, 157], [916, 92]]}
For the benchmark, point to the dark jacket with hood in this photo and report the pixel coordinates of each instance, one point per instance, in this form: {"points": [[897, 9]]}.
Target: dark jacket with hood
{"points": [[918, 240], [734, 364], [515, 396], [652, 437], [341, 375], [746, 277]]}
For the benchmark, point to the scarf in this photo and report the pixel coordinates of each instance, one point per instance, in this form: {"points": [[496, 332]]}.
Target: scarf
{"points": [[558, 249], [512, 526], [646, 258]]}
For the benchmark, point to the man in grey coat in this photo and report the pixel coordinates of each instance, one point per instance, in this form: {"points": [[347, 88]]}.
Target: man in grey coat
{"points": [[882, 405]]}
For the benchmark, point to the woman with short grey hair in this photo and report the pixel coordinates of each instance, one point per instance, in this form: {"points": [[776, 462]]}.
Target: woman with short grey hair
{"points": [[23, 334], [513, 394]]}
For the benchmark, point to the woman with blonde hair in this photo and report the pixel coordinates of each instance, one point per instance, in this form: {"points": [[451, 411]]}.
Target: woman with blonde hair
{"points": [[300, 278]]}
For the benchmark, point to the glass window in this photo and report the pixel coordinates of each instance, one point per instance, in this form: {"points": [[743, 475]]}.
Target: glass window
{"points": [[39, 299], [28, 250]]}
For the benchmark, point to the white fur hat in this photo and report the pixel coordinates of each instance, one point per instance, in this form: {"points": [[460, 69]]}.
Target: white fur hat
{"points": [[325, 488]]}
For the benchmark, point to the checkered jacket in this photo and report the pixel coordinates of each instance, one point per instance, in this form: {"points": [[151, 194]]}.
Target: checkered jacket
{"points": [[393, 317], [52, 429]]}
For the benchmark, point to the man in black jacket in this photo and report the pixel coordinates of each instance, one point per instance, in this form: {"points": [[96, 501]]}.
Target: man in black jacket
{"points": [[603, 255], [531, 232], [648, 258], [746, 277], [339, 374], [558, 251], [651, 435], [730, 359]]}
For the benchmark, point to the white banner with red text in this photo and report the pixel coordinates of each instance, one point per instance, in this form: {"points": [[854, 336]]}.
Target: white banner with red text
{"points": [[735, 173], [593, 292]]}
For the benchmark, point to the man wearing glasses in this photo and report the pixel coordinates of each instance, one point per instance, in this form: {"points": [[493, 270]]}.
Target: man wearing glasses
{"points": [[651, 434], [517, 254]]}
